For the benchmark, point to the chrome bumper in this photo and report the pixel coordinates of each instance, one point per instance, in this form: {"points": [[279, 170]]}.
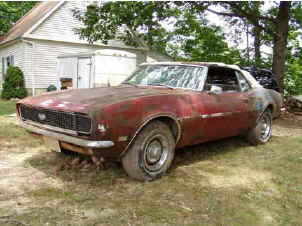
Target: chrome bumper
{"points": [[66, 138]]}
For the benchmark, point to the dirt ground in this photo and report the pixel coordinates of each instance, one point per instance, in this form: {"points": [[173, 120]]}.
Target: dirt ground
{"points": [[226, 182]]}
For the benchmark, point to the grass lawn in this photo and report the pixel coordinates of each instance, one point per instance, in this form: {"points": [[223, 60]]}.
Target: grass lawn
{"points": [[226, 182], [7, 107]]}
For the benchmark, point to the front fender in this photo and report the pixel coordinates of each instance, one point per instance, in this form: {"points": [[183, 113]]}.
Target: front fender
{"points": [[148, 119], [126, 119]]}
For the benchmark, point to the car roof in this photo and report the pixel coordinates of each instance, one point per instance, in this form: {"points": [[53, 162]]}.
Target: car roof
{"points": [[253, 82], [194, 64]]}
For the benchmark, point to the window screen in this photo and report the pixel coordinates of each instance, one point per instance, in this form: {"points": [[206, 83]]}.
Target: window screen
{"points": [[6, 62]]}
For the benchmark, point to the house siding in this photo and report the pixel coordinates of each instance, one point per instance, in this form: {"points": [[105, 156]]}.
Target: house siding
{"points": [[28, 64], [45, 59], [17, 50], [60, 25]]}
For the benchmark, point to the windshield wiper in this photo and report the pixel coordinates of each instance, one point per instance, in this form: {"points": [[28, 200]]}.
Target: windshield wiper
{"points": [[159, 84]]}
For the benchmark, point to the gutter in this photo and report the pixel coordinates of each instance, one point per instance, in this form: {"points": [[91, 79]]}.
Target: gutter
{"points": [[80, 42], [7, 43]]}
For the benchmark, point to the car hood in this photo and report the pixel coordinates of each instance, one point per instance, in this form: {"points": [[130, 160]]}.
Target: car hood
{"points": [[81, 100]]}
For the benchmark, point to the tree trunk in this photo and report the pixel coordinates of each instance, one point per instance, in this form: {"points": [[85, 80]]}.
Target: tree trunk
{"points": [[247, 44], [257, 44], [280, 41]]}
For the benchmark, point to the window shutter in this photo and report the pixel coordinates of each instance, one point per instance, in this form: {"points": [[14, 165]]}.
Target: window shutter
{"points": [[3, 68], [12, 63]]}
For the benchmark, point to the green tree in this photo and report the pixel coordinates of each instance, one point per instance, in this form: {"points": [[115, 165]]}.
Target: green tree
{"points": [[168, 27], [11, 11], [201, 42], [239, 27], [135, 23], [275, 22], [293, 78]]}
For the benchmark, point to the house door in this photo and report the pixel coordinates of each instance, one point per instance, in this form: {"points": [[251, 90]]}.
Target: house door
{"points": [[84, 72]]}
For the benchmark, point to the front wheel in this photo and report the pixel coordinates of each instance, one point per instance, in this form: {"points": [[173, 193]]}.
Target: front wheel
{"points": [[262, 132], [151, 153]]}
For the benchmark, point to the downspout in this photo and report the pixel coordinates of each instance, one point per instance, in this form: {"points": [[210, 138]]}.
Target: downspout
{"points": [[33, 83]]}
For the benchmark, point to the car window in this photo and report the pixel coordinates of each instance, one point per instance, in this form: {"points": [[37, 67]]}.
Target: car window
{"points": [[175, 76], [225, 78], [243, 83]]}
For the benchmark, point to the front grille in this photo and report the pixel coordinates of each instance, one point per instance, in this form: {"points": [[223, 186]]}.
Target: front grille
{"points": [[60, 119]]}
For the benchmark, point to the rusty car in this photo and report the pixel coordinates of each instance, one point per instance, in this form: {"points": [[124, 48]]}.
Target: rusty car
{"points": [[159, 108]]}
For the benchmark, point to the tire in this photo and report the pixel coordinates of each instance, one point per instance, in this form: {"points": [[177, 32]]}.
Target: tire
{"points": [[262, 132], [151, 153]]}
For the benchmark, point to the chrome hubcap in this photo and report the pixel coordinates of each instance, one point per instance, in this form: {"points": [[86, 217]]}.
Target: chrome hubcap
{"points": [[265, 127], [154, 152]]}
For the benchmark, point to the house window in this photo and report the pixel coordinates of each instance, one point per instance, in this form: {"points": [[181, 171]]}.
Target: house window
{"points": [[6, 62]]}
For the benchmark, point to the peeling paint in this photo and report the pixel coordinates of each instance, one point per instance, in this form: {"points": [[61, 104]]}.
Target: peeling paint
{"points": [[122, 111]]}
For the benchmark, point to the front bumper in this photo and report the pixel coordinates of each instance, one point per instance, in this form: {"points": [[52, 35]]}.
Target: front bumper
{"points": [[66, 138]]}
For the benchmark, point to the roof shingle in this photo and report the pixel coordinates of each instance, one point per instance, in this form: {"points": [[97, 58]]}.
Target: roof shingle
{"points": [[27, 21]]}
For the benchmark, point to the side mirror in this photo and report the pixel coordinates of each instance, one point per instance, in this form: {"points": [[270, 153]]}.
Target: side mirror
{"points": [[215, 89]]}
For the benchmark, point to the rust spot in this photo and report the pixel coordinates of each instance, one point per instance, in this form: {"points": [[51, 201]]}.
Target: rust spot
{"points": [[75, 148]]}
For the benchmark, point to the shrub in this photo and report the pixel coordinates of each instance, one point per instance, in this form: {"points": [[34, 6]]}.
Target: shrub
{"points": [[51, 88], [13, 85]]}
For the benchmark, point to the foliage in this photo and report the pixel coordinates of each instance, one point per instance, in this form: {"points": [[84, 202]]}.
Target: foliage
{"points": [[293, 78], [135, 23], [51, 88], [209, 45], [13, 86], [169, 28], [241, 26], [12, 11], [273, 23]]}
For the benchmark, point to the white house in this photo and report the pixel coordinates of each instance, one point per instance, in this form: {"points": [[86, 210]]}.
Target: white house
{"points": [[46, 32]]}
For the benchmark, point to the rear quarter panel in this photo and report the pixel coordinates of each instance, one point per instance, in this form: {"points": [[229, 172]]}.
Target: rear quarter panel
{"points": [[260, 99]]}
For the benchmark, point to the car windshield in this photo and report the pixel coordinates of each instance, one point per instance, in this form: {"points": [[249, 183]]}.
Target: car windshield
{"points": [[172, 76]]}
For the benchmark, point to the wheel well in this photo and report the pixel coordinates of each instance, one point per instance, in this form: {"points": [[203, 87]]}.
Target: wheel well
{"points": [[173, 125], [171, 122], [271, 108]]}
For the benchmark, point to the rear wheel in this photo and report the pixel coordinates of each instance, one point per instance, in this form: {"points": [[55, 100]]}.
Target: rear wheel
{"points": [[151, 153], [262, 132]]}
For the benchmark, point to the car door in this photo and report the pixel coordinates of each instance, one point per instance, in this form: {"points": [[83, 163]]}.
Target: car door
{"points": [[223, 105]]}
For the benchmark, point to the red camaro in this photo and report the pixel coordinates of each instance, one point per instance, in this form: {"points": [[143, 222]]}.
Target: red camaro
{"points": [[162, 106]]}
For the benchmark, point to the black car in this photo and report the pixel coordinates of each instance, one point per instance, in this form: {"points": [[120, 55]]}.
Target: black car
{"points": [[265, 77]]}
